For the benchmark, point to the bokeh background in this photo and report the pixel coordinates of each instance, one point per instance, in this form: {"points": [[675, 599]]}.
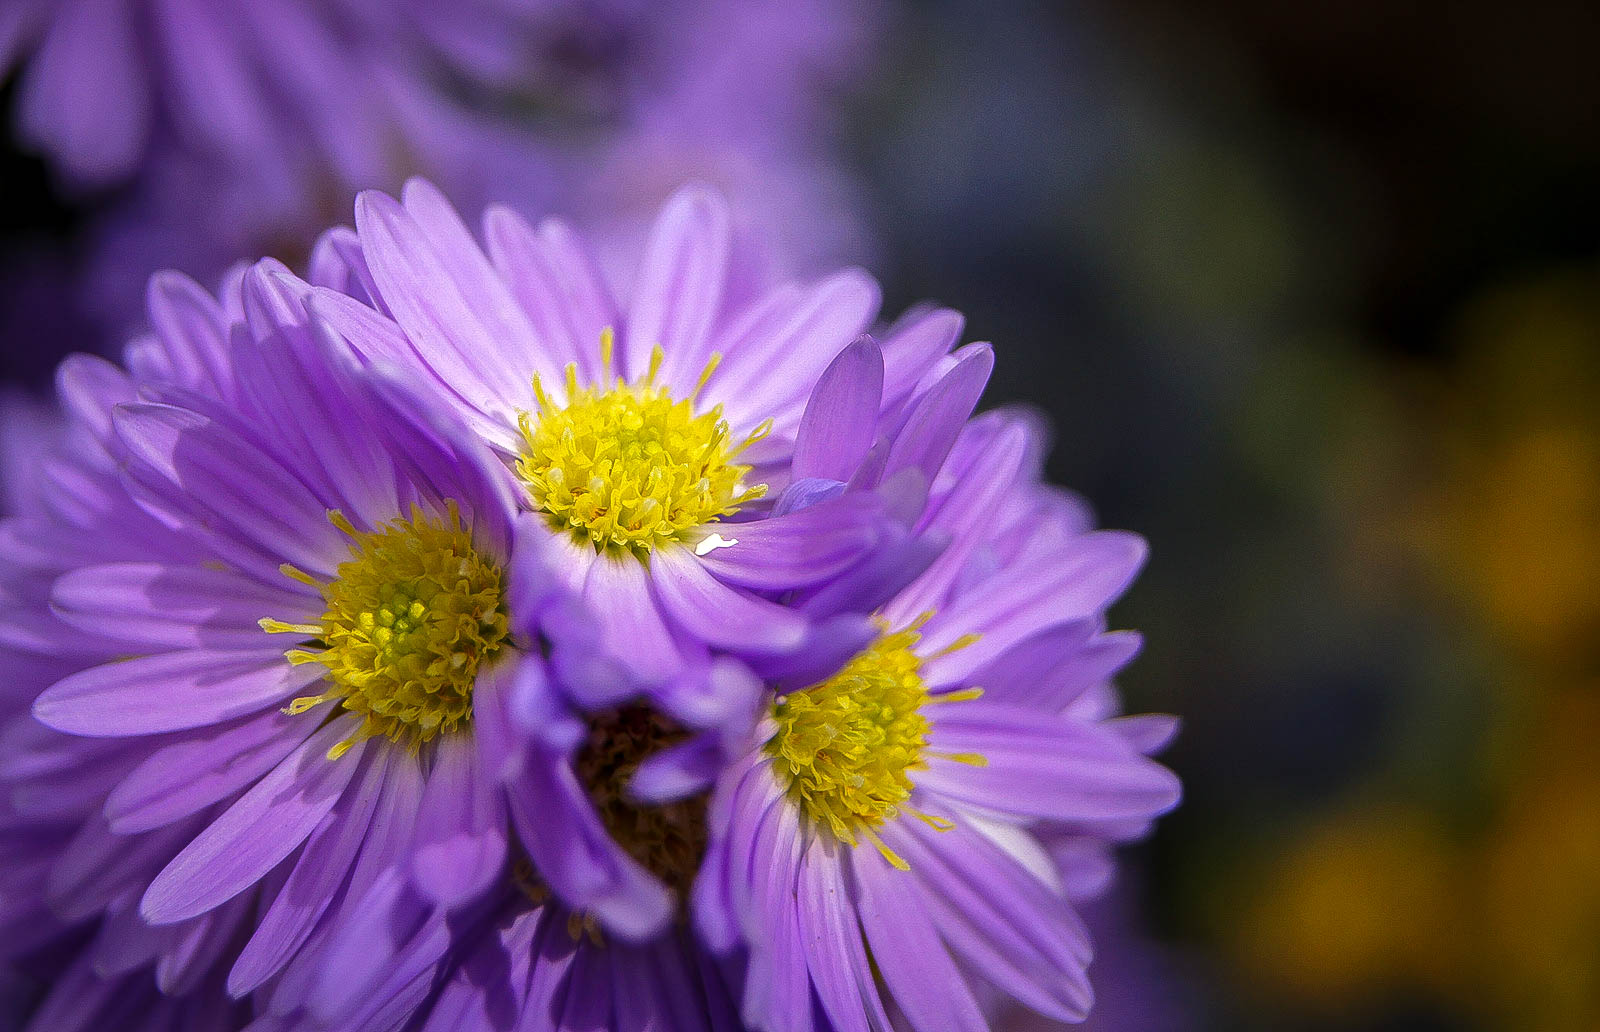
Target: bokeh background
{"points": [[1312, 296]]}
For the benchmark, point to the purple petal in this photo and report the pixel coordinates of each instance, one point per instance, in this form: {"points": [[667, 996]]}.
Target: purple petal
{"points": [[158, 607], [840, 971], [918, 971], [1147, 733], [803, 547], [427, 300], [193, 331], [557, 285], [212, 92], [617, 591], [461, 839], [720, 616], [678, 290], [911, 347], [172, 691], [318, 874], [173, 452], [775, 353], [1039, 765], [267, 824], [86, 95], [571, 850], [485, 293], [1018, 936], [185, 777], [841, 419], [938, 416], [98, 866], [1050, 589]]}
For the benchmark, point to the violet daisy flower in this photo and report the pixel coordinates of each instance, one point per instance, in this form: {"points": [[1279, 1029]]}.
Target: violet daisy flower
{"points": [[653, 439], [881, 847], [288, 587], [659, 445]]}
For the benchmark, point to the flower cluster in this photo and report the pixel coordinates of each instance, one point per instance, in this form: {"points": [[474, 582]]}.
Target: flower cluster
{"points": [[438, 642]]}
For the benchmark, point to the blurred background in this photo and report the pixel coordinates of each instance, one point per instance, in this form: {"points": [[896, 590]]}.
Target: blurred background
{"points": [[1312, 296]]}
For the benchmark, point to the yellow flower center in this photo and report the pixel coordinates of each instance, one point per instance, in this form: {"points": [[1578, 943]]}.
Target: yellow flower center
{"points": [[626, 465], [844, 748], [409, 620], [668, 840]]}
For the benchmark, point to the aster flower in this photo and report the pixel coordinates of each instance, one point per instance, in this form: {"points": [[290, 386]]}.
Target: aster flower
{"points": [[286, 594], [656, 444], [654, 439], [881, 846]]}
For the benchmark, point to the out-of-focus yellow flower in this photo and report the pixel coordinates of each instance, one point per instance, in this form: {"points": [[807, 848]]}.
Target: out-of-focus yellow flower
{"points": [[1513, 523], [1540, 874], [1367, 902]]}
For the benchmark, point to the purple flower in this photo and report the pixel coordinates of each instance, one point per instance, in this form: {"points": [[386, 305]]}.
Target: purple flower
{"points": [[240, 128], [686, 454], [656, 439], [441, 637], [285, 618], [883, 845]]}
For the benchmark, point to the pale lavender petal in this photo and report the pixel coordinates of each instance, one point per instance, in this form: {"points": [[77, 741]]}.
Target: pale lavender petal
{"points": [[193, 331], [485, 293], [721, 616], [172, 691], [618, 592], [840, 971], [1058, 588], [678, 290], [158, 607], [772, 362], [1027, 671], [461, 839], [426, 300], [1038, 765], [841, 418], [171, 451], [1019, 936], [186, 776], [938, 416], [557, 285], [1147, 733], [921, 977], [911, 347], [318, 874], [267, 824], [797, 549]]}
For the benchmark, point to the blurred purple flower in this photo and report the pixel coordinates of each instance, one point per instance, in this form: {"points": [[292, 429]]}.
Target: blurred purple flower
{"points": [[242, 128]]}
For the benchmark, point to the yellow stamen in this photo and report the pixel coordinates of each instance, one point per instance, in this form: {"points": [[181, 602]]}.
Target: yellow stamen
{"points": [[844, 748], [409, 619], [629, 467]]}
